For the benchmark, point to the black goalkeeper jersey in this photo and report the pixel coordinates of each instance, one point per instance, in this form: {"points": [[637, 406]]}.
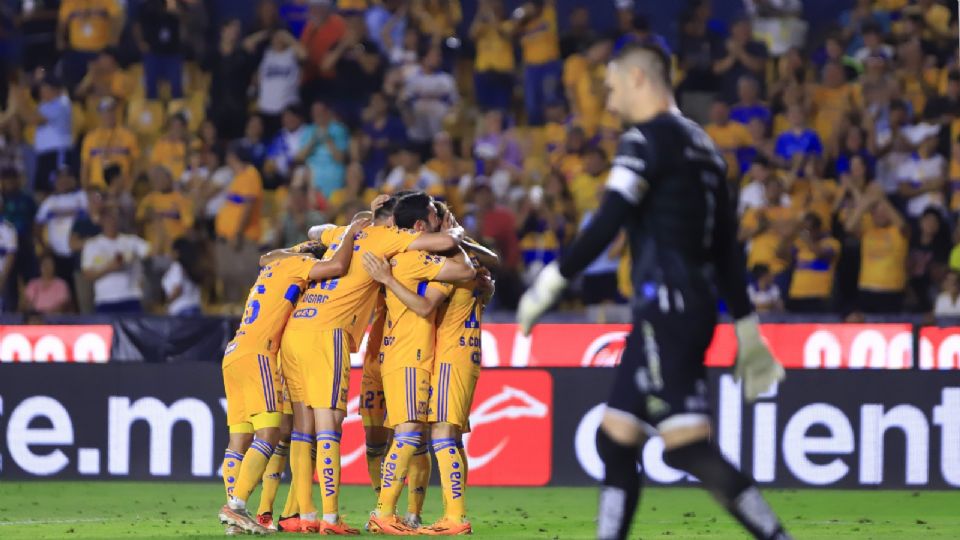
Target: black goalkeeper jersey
{"points": [[667, 188]]}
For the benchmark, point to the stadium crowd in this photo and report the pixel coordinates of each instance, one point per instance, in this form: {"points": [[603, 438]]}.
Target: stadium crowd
{"points": [[151, 150]]}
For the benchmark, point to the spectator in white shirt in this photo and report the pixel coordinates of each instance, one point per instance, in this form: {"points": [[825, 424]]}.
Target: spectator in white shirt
{"points": [[283, 149], [57, 214], [764, 292], [873, 44], [54, 135], [948, 302], [8, 252], [923, 176], [428, 96], [181, 282], [753, 195], [278, 79], [112, 262]]}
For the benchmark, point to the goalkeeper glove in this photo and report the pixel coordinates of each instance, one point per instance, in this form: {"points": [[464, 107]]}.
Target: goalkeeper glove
{"points": [[756, 367], [539, 297]]}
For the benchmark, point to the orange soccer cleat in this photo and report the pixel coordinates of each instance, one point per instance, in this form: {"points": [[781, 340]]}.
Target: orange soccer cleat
{"points": [[339, 528], [266, 521], [307, 526], [289, 523], [447, 527], [391, 526]]}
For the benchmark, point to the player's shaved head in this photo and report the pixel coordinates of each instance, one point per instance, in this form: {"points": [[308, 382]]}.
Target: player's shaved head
{"points": [[638, 83], [650, 59]]}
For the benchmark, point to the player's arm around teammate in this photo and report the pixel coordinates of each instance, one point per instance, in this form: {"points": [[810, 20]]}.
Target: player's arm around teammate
{"points": [[424, 306]]}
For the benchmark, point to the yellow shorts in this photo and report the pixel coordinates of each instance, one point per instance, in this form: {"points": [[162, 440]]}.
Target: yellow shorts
{"points": [[373, 403], [407, 391], [451, 393], [316, 367], [251, 383]]}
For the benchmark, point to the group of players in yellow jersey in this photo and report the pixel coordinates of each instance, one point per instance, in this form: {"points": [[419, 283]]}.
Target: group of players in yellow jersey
{"points": [[407, 268]]}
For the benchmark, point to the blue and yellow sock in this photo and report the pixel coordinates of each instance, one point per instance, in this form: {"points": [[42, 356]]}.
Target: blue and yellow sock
{"points": [[251, 470], [375, 455], [452, 478], [231, 470], [418, 477], [301, 470], [272, 475], [395, 467], [328, 471]]}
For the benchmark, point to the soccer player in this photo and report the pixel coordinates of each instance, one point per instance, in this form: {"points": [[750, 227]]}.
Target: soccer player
{"points": [[250, 376], [326, 326], [667, 189], [456, 369], [289, 519], [408, 350]]}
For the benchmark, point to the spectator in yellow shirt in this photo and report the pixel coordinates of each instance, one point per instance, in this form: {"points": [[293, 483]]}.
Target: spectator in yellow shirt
{"points": [[84, 28], [583, 81], [569, 159], [730, 137], [834, 99], [238, 228], [767, 228], [164, 214], [584, 186], [104, 79], [540, 45], [437, 18], [450, 168], [814, 254], [171, 149], [107, 147], [354, 191], [814, 194], [495, 62], [883, 252]]}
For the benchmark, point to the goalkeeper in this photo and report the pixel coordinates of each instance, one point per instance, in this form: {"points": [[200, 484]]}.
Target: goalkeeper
{"points": [[667, 188]]}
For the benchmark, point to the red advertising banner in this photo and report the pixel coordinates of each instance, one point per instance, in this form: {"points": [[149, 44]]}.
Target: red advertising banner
{"points": [[67, 343], [797, 346], [511, 439], [939, 348]]}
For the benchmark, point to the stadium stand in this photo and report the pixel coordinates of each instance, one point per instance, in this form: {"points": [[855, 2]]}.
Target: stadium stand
{"points": [[841, 128]]}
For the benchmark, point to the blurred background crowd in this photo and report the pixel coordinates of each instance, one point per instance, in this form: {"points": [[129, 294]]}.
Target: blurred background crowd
{"points": [[150, 150]]}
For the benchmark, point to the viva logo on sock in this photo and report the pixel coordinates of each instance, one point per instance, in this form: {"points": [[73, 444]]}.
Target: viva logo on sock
{"points": [[456, 484], [389, 474], [328, 482]]}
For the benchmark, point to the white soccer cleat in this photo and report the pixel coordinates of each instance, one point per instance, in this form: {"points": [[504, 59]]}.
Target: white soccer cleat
{"points": [[233, 530], [239, 517]]}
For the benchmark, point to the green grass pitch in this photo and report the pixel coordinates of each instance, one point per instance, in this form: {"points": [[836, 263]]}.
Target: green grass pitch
{"points": [[105, 510]]}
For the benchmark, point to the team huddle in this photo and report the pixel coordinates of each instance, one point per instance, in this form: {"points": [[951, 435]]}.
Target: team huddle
{"points": [[409, 270]]}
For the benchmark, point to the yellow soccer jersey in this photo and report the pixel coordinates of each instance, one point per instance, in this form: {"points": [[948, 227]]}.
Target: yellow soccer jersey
{"points": [[458, 325], [408, 339], [269, 305], [347, 302]]}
